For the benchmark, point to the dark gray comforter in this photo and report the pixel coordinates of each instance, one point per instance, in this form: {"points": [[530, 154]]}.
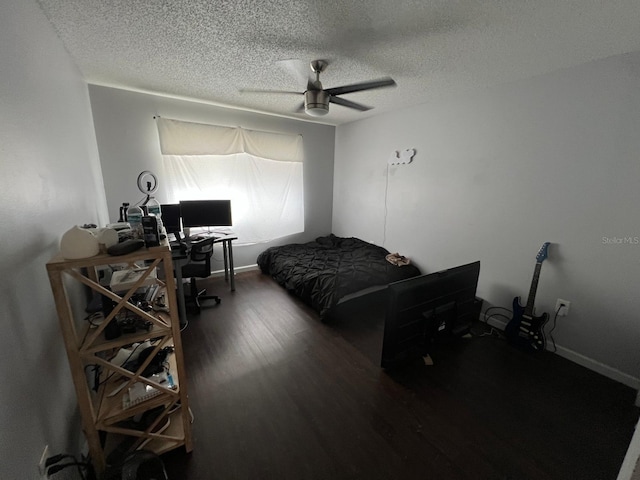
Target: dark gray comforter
{"points": [[325, 270]]}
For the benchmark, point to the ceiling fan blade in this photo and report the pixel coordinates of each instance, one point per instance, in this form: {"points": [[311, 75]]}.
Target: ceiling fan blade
{"points": [[349, 103], [357, 87], [252, 90]]}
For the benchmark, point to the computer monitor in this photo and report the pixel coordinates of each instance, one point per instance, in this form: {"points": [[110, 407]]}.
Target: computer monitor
{"points": [[171, 217], [205, 213]]}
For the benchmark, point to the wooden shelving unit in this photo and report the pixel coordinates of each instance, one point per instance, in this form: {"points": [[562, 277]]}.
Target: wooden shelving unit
{"points": [[109, 423]]}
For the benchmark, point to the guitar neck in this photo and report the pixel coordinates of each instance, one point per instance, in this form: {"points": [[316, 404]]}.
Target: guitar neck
{"points": [[528, 310]]}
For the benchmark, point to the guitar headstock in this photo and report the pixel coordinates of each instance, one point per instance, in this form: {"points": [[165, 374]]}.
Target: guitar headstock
{"points": [[542, 253]]}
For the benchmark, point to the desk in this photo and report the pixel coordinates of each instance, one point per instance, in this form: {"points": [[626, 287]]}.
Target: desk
{"points": [[181, 257], [227, 251]]}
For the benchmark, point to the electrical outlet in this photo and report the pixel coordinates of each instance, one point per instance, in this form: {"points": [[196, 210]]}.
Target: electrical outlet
{"points": [[42, 469], [562, 307]]}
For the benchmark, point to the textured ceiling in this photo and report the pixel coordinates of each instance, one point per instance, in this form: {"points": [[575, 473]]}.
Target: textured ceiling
{"points": [[208, 50]]}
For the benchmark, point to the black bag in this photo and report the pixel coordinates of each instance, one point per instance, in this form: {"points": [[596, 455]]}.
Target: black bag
{"points": [[143, 465]]}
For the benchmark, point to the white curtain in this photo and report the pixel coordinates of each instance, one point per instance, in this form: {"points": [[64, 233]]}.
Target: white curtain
{"points": [[260, 172]]}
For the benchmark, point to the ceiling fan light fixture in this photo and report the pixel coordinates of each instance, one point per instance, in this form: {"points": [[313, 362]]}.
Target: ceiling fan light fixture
{"points": [[316, 103], [317, 111]]}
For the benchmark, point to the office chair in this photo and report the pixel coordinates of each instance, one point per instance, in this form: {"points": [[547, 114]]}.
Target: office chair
{"points": [[199, 266]]}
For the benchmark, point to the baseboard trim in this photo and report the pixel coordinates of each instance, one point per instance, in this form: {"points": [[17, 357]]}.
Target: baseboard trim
{"points": [[631, 463], [598, 367], [494, 322], [245, 268], [591, 364]]}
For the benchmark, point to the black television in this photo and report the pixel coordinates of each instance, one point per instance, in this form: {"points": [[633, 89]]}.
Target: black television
{"points": [[423, 309], [171, 217], [205, 213]]}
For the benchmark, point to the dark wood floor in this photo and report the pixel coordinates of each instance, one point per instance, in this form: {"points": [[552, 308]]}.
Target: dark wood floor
{"points": [[276, 394]]}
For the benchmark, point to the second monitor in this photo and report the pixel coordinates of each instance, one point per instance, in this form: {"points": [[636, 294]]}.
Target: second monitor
{"points": [[205, 213], [171, 217]]}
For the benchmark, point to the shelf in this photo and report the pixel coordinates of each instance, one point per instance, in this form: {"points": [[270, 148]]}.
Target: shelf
{"points": [[101, 344], [169, 439], [105, 416], [111, 408], [164, 441], [60, 263]]}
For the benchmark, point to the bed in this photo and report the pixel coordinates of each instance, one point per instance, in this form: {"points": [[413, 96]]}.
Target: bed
{"points": [[330, 269]]}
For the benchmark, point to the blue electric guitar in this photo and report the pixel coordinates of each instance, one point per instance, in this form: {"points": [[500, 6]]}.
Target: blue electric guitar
{"points": [[525, 329]]}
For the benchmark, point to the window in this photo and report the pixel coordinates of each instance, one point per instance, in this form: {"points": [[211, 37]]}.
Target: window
{"points": [[260, 172]]}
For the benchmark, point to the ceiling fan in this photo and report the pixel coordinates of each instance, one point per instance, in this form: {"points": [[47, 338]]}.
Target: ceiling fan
{"points": [[317, 99]]}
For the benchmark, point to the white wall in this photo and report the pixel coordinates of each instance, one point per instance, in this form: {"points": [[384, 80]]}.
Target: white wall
{"points": [[51, 180], [128, 143], [497, 173]]}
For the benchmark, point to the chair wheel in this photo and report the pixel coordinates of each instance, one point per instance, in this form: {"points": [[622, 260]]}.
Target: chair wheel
{"points": [[218, 300]]}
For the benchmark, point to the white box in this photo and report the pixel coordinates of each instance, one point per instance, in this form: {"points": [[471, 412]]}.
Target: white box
{"points": [[123, 280]]}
